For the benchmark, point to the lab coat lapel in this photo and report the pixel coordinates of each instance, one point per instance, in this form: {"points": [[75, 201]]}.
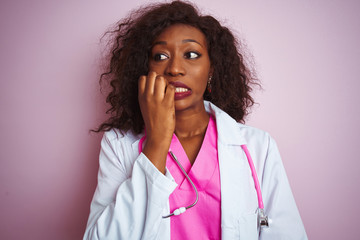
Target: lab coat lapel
{"points": [[235, 176], [232, 171]]}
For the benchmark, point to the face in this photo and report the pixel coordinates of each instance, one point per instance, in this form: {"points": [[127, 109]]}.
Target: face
{"points": [[180, 54]]}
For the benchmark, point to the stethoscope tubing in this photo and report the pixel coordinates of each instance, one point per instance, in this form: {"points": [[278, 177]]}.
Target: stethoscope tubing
{"points": [[254, 175], [180, 210], [183, 209]]}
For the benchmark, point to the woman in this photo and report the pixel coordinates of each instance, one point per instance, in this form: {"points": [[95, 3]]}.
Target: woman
{"points": [[166, 60]]}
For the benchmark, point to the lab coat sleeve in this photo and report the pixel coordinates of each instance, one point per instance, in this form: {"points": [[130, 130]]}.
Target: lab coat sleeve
{"points": [[280, 206], [128, 203]]}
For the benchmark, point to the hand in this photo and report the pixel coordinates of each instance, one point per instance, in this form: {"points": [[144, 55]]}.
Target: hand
{"points": [[156, 99]]}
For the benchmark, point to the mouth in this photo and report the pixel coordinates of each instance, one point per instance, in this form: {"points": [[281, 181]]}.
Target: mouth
{"points": [[181, 90]]}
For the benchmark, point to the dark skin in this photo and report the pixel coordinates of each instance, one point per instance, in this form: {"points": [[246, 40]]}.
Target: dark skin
{"points": [[171, 95]]}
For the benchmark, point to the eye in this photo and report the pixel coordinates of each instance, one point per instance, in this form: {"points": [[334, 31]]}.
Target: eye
{"points": [[159, 57], [192, 55]]}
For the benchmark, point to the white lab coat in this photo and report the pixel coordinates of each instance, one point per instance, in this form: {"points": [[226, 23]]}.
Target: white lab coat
{"points": [[132, 195]]}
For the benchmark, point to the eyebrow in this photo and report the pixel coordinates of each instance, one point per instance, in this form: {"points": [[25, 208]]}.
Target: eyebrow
{"points": [[191, 40], [183, 41]]}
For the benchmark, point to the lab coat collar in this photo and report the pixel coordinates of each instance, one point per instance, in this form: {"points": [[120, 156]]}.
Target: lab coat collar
{"points": [[230, 129]]}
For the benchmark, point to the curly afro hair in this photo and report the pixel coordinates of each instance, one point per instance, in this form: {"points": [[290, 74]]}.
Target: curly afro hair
{"points": [[131, 42]]}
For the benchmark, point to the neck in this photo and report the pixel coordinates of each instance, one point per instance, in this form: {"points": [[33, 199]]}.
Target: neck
{"points": [[191, 124]]}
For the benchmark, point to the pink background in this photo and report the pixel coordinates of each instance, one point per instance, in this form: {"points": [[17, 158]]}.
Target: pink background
{"points": [[307, 55]]}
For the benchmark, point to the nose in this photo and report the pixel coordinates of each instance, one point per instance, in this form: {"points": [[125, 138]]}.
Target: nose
{"points": [[175, 67]]}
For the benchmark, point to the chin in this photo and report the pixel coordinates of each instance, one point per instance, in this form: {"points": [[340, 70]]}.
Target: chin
{"points": [[183, 105]]}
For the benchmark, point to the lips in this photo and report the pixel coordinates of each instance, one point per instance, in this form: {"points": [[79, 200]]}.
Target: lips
{"points": [[181, 90]]}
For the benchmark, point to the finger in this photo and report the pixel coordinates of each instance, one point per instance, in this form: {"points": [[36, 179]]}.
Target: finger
{"points": [[150, 81], [141, 85], [169, 94], [160, 86]]}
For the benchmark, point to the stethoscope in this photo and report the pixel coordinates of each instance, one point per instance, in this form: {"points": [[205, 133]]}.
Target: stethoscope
{"points": [[263, 220]]}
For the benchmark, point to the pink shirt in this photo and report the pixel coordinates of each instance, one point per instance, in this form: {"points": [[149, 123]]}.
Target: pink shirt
{"points": [[203, 220]]}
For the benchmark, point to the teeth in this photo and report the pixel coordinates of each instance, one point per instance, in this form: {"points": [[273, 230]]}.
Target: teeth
{"points": [[180, 89]]}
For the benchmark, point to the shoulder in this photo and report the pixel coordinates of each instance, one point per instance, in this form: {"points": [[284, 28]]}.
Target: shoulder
{"points": [[115, 136], [254, 134], [262, 147], [255, 138], [119, 149], [120, 142]]}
